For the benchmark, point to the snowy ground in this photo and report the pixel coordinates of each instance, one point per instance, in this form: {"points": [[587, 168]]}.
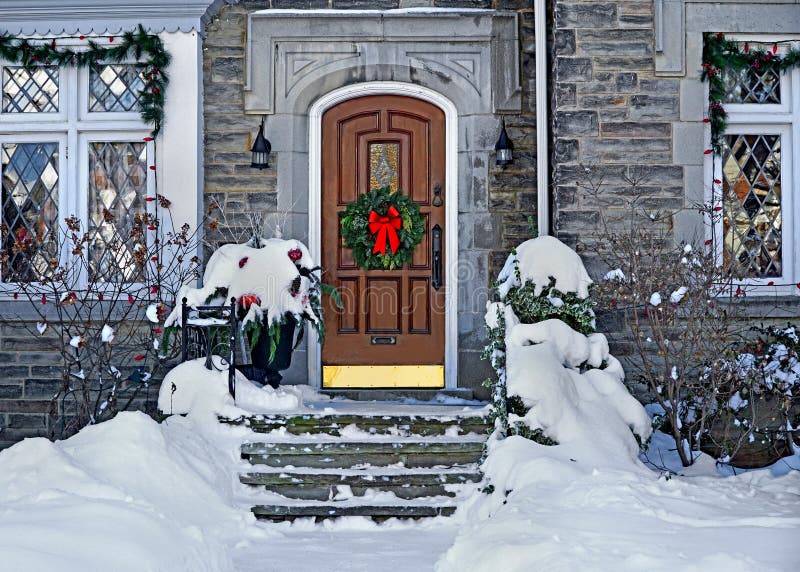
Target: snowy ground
{"points": [[352, 545]]}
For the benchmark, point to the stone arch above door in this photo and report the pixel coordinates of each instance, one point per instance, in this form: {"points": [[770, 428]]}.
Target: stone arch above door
{"points": [[292, 55]]}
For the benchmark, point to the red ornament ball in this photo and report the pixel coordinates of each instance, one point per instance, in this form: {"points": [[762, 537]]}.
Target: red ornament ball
{"points": [[248, 300], [295, 254]]}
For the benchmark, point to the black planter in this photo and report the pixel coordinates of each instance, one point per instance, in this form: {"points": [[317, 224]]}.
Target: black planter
{"points": [[265, 371]]}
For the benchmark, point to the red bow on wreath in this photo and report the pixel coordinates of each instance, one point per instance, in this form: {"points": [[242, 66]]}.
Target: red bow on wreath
{"points": [[384, 227]]}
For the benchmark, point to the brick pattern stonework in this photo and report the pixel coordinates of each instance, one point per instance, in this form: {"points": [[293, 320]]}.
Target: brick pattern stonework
{"points": [[611, 115]]}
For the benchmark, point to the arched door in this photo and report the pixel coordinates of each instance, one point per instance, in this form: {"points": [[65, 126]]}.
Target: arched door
{"points": [[391, 331]]}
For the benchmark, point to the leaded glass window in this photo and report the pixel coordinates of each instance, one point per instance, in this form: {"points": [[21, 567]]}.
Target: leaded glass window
{"points": [[384, 165], [117, 191], [30, 90], [751, 86], [30, 210], [114, 87], [752, 216]]}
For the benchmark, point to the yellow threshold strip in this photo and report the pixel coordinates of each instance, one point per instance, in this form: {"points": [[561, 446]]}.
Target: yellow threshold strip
{"points": [[382, 376]]}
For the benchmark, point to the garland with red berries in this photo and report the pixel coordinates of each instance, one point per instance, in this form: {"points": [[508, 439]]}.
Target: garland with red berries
{"points": [[722, 56], [148, 52]]}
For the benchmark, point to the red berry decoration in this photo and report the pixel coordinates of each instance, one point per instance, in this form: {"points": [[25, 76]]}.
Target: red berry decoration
{"points": [[111, 40], [771, 283], [295, 254], [243, 261], [44, 299], [154, 290], [130, 299], [139, 358], [100, 296], [248, 300], [746, 48], [16, 294]]}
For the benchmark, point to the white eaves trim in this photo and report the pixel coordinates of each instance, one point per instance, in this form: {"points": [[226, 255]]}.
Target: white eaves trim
{"points": [[70, 17]]}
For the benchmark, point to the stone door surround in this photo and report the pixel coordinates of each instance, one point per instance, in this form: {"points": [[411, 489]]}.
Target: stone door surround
{"points": [[473, 52]]}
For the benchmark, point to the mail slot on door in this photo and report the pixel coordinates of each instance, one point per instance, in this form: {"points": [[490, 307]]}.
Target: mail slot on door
{"points": [[383, 340]]}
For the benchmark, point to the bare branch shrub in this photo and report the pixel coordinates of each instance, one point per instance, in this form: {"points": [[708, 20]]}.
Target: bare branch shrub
{"points": [[679, 305], [99, 300]]}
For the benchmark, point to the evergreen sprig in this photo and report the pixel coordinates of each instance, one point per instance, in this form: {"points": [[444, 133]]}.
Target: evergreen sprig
{"points": [[147, 50], [721, 57], [356, 234]]}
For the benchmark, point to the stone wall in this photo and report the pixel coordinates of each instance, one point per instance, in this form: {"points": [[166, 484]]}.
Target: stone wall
{"points": [[495, 205], [612, 118]]}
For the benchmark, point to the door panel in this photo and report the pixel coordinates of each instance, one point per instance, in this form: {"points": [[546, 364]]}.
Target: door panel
{"points": [[390, 318]]}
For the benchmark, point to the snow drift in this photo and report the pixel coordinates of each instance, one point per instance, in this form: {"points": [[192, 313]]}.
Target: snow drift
{"points": [[126, 495], [192, 388]]}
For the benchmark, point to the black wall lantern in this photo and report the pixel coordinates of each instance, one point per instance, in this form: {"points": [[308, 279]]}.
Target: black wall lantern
{"points": [[261, 149], [504, 148]]}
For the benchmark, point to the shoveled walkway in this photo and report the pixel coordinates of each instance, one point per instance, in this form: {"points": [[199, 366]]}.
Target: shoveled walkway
{"points": [[352, 545]]}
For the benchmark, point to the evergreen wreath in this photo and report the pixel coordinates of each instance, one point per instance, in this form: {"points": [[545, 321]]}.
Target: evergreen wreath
{"points": [[721, 57], [382, 228], [32, 53]]}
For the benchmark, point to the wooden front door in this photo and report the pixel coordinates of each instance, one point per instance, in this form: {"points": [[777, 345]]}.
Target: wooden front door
{"points": [[390, 332]]}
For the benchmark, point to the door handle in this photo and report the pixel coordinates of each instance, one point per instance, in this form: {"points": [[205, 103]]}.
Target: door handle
{"points": [[436, 255]]}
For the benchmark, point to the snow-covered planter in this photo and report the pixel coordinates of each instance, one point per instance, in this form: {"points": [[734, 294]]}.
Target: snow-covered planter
{"points": [[276, 287]]}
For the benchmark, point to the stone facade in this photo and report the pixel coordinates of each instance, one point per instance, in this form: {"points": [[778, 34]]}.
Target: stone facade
{"points": [[495, 205], [612, 116]]}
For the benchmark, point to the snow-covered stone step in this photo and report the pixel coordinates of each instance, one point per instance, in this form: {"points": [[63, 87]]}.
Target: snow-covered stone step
{"points": [[460, 423], [347, 454], [330, 486], [376, 512]]}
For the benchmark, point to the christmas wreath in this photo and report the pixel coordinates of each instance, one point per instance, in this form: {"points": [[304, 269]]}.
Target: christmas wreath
{"points": [[382, 228]]}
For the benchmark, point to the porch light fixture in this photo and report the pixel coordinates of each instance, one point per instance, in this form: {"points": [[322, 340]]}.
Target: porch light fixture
{"points": [[504, 148], [261, 149]]}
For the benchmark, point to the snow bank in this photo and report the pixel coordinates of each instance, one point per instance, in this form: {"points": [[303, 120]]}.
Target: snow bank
{"points": [[126, 495], [267, 273], [191, 388], [559, 513]]}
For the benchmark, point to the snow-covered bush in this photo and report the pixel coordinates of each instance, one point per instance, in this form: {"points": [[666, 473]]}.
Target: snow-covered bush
{"points": [[758, 413], [99, 296], [549, 362]]}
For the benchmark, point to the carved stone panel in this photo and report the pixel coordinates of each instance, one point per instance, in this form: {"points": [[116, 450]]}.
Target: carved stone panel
{"points": [[293, 58]]}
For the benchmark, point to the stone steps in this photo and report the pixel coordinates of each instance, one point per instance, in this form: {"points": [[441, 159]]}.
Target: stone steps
{"points": [[351, 463], [328, 486], [278, 513], [353, 454], [371, 424]]}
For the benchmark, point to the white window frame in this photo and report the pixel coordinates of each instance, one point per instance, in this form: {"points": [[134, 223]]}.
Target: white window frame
{"points": [[74, 127], [769, 119]]}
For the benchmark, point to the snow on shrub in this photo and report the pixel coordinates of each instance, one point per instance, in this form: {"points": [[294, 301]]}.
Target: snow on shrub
{"points": [[548, 328], [757, 415]]}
